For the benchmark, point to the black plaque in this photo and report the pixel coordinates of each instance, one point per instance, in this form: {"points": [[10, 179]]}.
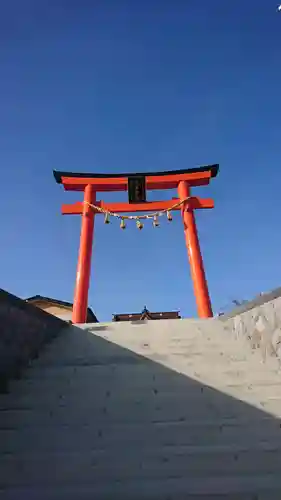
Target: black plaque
{"points": [[136, 189]]}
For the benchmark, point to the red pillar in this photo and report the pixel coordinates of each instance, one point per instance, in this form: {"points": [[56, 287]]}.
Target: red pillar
{"points": [[195, 258], [80, 304]]}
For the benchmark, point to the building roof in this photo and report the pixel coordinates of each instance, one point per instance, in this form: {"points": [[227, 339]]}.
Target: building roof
{"points": [[146, 314], [208, 168], [91, 317]]}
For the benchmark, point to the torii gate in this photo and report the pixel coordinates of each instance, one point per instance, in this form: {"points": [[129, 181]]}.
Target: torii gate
{"points": [[136, 185]]}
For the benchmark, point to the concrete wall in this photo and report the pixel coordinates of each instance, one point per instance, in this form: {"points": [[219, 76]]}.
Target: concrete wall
{"points": [[256, 302], [23, 331], [261, 325]]}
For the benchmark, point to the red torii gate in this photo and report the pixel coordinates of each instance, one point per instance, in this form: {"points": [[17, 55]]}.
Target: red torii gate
{"points": [[91, 184]]}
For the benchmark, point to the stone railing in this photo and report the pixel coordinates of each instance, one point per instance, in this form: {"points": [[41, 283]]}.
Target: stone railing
{"points": [[260, 324], [24, 329]]}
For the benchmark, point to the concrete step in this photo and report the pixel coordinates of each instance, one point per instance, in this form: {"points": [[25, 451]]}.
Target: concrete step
{"points": [[163, 410], [109, 436], [85, 348], [138, 415], [91, 467], [113, 396], [65, 415], [124, 383], [147, 335], [262, 487], [143, 373], [195, 400]]}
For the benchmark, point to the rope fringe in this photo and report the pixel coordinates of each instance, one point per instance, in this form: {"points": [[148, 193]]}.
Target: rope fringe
{"points": [[153, 215]]}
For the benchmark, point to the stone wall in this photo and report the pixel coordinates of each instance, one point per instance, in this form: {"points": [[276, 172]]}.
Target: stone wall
{"points": [[256, 302], [261, 325], [24, 329]]}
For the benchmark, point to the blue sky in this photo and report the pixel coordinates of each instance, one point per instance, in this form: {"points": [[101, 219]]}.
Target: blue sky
{"points": [[107, 86]]}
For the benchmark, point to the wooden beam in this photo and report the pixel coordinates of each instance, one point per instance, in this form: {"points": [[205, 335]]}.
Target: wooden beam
{"points": [[121, 183], [149, 206]]}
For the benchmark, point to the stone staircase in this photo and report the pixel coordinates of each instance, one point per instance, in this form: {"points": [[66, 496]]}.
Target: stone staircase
{"points": [[177, 409]]}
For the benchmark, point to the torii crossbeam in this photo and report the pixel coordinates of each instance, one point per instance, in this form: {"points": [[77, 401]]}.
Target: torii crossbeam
{"points": [[91, 184]]}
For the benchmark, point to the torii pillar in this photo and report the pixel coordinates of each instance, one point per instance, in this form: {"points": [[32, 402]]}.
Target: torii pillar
{"points": [[83, 273], [91, 184], [197, 271]]}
